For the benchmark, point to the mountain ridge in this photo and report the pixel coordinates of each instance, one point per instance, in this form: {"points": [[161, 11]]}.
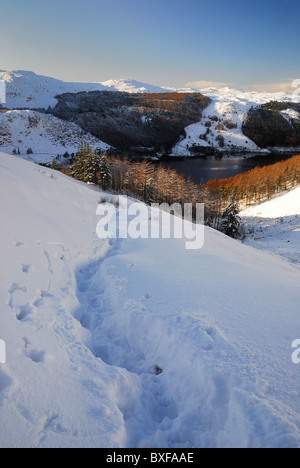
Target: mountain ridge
{"points": [[219, 130]]}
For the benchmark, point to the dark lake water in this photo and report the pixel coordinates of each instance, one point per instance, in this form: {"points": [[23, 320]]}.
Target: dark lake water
{"points": [[215, 168]]}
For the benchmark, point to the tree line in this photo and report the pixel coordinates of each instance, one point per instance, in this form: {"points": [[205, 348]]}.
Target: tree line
{"points": [[156, 184], [259, 184]]}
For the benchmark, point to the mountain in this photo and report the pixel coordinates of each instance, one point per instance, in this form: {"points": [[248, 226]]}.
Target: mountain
{"points": [[222, 124], [137, 343], [137, 123], [232, 122], [26, 90]]}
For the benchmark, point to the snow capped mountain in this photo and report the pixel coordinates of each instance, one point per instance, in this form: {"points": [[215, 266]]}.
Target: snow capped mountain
{"points": [[137, 343], [132, 86], [26, 90], [220, 128], [44, 134]]}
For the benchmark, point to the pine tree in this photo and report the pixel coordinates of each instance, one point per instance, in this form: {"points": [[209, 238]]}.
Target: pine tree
{"points": [[150, 191], [104, 173], [231, 222], [77, 170], [92, 166], [54, 165], [86, 164]]}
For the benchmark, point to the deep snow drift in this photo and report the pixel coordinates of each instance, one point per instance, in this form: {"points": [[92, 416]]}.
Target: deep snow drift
{"points": [[137, 342]]}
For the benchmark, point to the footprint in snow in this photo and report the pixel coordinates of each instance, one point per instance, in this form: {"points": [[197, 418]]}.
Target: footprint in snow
{"points": [[36, 356], [16, 287], [23, 312], [5, 382], [26, 268]]}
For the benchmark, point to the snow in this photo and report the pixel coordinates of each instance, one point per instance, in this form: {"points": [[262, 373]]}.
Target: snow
{"points": [[26, 90], [290, 114], [133, 86], [45, 134], [283, 205], [89, 325], [232, 106], [274, 226]]}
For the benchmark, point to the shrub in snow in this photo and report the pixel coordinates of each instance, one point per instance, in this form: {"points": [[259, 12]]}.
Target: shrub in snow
{"points": [[220, 127], [230, 125]]}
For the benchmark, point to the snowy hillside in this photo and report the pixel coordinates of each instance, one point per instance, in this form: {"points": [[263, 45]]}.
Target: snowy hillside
{"points": [[25, 89], [274, 226], [46, 135], [225, 117], [137, 343]]}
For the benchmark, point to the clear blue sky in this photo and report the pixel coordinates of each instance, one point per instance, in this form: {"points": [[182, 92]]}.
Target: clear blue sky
{"points": [[163, 42]]}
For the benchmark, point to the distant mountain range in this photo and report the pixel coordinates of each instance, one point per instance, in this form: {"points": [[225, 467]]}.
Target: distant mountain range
{"points": [[227, 120]]}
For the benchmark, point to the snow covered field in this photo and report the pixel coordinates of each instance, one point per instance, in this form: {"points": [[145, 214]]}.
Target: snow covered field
{"points": [[137, 343]]}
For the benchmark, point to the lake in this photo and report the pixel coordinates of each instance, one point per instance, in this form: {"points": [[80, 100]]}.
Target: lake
{"points": [[210, 168]]}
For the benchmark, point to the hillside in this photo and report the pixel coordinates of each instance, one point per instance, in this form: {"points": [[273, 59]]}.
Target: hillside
{"points": [[222, 125], [137, 343], [274, 124], [274, 226], [26, 90], [233, 120], [133, 123], [44, 134]]}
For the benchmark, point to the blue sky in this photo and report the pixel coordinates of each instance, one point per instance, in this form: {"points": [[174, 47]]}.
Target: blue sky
{"points": [[164, 42]]}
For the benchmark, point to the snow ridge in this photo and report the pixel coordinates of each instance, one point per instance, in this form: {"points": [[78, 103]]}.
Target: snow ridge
{"points": [[26, 90]]}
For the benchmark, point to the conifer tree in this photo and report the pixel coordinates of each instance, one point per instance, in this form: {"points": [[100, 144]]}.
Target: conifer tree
{"points": [[92, 166], [78, 165], [150, 191], [231, 222], [54, 165], [104, 172], [86, 164]]}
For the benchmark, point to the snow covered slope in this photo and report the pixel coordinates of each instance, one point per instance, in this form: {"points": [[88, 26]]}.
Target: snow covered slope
{"points": [[137, 342], [274, 226], [225, 115], [287, 204], [46, 135], [25, 89]]}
